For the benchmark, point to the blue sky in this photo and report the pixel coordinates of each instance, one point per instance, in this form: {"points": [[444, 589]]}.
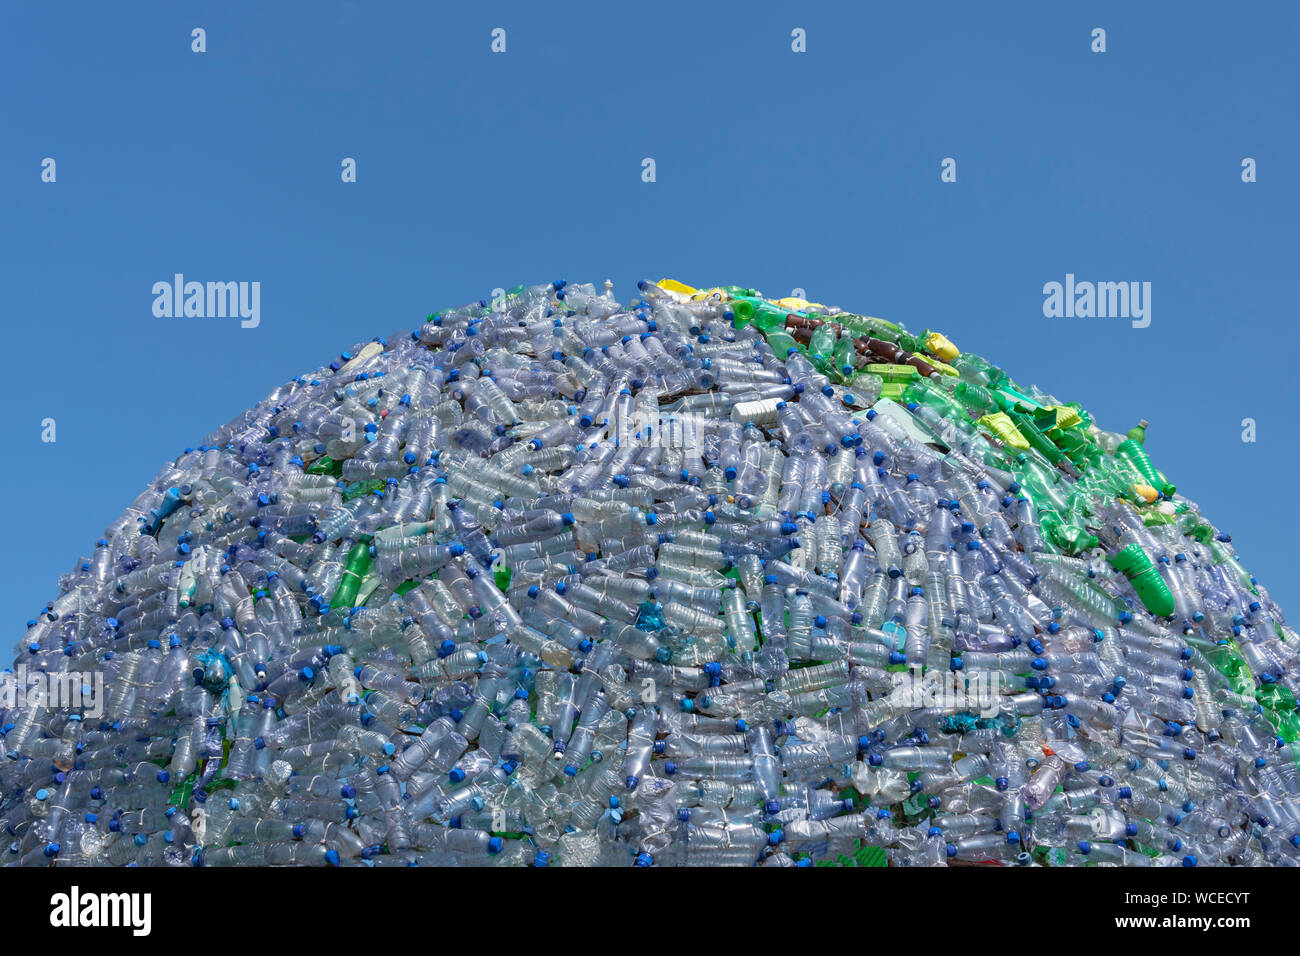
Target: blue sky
{"points": [[775, 169]]}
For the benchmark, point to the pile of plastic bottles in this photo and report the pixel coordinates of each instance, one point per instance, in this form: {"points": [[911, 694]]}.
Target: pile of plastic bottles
{"points": [[707, 579]]}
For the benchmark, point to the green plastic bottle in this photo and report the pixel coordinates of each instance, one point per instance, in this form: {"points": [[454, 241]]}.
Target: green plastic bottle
{"points": [[821, 346], [742, 311], [1288, 728], [1227, 658], [1077, 444], [895, 374], [844, 359], [869, 325], [501, 575], [923, 392], [1190, 525], [782, 343], [973, 369], [976, 398], [768, 317], [1037, 440], [1139, 432], [909, 342], [1136, 456], [1041, 479], [1220, 555], [354, 570], [1070, 538], [1119, 475], [1136, 565], [1275, 697]]}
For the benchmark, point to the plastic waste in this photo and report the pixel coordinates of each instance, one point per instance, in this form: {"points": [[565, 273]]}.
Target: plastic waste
{"points": [[704, 579]]}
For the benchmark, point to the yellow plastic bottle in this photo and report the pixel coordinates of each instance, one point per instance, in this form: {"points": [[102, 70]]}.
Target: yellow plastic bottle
{"points": [[937, 344], [672, 285]]}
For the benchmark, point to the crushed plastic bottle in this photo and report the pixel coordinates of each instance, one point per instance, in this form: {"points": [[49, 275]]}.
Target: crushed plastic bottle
{"points": [[706, 579]]}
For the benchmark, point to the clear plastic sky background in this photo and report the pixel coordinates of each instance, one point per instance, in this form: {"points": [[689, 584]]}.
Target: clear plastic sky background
{"points": [[818, 170]]}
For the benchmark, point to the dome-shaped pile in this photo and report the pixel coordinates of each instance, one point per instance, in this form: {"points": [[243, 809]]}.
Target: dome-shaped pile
{"points": [[705, 579]]}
